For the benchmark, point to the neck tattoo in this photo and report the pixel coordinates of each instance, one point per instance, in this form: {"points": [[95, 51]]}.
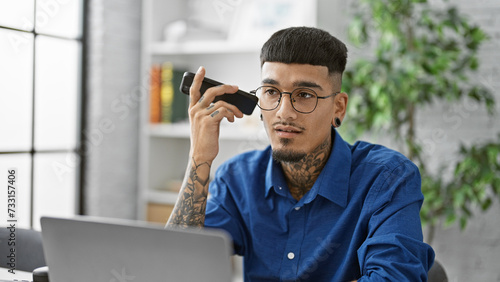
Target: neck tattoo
{"points": [[301, 175]]}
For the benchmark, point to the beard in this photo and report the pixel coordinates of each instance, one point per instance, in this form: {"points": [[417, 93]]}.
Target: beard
{"points": [[287, 156]]}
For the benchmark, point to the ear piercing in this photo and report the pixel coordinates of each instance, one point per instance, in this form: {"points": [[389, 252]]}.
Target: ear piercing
{"points": [[338, 122]]}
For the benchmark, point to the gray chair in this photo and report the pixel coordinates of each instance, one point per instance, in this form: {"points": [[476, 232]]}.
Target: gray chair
{"points": [[28, 249], [437, 273]]}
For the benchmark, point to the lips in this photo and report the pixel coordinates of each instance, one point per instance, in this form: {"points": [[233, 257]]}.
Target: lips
{"points": [[287, 131]]}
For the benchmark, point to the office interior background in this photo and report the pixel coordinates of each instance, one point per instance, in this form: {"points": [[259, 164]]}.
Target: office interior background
{"points": [[75, 101]]}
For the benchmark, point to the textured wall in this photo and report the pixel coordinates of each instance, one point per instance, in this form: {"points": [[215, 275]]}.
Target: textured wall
{"points": [[115, 92], [471, 255]]}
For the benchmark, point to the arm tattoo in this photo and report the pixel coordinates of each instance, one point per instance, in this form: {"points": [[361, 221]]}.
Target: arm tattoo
{"points": [[191, 204]]}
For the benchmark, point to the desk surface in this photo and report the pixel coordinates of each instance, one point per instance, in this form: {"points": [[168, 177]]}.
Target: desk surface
{"points": [[5, 275], [23, 276]]}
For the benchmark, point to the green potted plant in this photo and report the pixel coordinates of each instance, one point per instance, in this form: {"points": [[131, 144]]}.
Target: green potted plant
{"points": [[421, 56]]}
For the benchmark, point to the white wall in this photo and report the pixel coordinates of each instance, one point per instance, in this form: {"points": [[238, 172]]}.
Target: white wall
{"points": [[471, 255], [116, 88]]}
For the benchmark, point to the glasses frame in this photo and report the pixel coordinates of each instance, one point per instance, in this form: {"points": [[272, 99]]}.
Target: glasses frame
{"points": [[291, 102]]}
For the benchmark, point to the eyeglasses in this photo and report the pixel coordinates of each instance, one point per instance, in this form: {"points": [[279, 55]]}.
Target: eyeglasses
{"points": [[304, 100]]}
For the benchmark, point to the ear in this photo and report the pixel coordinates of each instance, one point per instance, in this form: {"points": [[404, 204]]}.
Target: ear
{"points": [[340, 107]]}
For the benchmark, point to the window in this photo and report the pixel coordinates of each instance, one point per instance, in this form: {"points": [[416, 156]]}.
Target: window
{"points": [[40, 106]]}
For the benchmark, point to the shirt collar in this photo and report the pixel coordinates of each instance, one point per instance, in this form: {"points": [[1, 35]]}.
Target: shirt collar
{"points": [[333, 181], [275, 177]]}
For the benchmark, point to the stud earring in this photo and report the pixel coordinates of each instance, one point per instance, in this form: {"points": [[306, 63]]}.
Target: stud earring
{"points": [[338, 122]]}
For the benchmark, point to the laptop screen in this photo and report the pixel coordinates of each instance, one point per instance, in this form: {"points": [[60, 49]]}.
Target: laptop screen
{"points": [[95, 249]]}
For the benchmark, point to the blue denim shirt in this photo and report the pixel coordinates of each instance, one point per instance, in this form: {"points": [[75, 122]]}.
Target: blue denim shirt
{"points": [[359, 221]]}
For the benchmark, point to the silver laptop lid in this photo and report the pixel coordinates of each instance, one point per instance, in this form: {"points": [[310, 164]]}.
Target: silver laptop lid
{"points": [[83, 249]]}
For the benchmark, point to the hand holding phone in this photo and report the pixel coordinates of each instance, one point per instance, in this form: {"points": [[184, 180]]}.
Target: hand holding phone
{"points": [[246, 102]]}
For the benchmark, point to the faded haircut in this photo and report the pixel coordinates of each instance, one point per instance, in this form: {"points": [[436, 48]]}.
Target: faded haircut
{"points": [[305, 45]]}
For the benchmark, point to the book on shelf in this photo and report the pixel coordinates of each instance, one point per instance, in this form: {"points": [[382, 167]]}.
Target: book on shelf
{"points": [[154, 90], [167, 103]]}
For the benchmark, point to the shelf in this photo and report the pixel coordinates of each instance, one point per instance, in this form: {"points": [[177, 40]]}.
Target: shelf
{"points": [[203, 47], [170, 130], [228, 131], [161, 197]]}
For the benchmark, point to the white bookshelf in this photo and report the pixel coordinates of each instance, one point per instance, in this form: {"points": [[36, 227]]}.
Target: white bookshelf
{"points": [[164, 148], [203, 48], [168, 149], [228, 131], [161, 197]]}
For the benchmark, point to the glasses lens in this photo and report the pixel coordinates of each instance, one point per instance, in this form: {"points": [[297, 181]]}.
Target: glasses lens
{"points": [[304, 100], [269, 97]]}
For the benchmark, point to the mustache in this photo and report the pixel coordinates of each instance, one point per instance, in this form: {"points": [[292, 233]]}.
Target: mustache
{"points": [[285, 123]]}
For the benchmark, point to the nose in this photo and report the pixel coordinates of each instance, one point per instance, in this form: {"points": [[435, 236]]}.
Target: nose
{"points": [[285, 109]]}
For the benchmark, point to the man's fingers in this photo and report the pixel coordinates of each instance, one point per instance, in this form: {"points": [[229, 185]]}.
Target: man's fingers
{"points": [[233, 109], [221, 109], [209, 95], [229, 107], [219, 113], [205, 101], [194, 90]]}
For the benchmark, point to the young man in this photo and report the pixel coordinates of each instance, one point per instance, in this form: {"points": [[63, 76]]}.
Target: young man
{"points": [[310, 207]]}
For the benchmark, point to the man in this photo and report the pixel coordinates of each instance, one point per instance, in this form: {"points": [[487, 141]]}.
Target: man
{"points": [[310, 207]]}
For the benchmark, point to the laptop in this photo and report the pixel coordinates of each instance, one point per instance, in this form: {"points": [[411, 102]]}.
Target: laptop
{"points": [[83, 249]]}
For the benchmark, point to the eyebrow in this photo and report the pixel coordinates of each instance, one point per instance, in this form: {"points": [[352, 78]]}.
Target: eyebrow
{"points": [[308, 84]]}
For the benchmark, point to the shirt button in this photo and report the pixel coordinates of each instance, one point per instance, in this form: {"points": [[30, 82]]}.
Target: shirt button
{"points": [[297, 208], [280, 188], [291, 255]]}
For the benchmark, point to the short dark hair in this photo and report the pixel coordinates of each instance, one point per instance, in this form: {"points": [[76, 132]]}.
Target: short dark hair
{"points": [[305, 45]]}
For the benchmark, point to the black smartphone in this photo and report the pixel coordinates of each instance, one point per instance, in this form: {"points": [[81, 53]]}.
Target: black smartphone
{"points": [[246, 102]]}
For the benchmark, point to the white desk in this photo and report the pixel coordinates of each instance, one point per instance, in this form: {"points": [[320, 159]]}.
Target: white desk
{"points": [[23, 276], [19, 276]]}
